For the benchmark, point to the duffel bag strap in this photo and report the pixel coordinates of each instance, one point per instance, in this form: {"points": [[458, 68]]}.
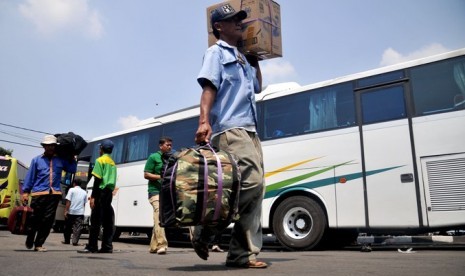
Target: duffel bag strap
{"points": [[220, 184], [205, 187], [173, 187]]}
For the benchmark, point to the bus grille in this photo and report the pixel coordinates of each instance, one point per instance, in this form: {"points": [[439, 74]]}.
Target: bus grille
{"points": [[447, 184]]}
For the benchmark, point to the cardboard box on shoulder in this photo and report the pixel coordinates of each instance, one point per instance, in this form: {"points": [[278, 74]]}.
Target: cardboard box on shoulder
{"points": [[261, 29]]}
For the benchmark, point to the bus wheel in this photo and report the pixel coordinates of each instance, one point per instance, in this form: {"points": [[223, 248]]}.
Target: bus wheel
{"points": [[299, 223]]}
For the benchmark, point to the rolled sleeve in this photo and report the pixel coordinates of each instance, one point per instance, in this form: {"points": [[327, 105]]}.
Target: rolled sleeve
{"points": [[211, 68]]}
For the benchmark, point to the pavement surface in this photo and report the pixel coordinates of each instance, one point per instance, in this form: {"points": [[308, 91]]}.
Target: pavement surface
{"points": [[131, 257], [409, 240]]}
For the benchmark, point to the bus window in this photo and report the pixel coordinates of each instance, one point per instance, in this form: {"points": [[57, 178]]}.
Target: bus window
{"points": [[118, 150], [380, 79], [311, 111], [138, 145], [383, 104], [439, 87], [182, 132], [278, 114]]}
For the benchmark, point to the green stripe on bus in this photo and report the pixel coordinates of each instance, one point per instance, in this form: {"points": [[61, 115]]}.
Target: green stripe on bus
{"points": [[277, 188]]}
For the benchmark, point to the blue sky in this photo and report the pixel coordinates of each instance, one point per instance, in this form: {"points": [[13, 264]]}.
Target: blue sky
{"points": [[95, 67]]}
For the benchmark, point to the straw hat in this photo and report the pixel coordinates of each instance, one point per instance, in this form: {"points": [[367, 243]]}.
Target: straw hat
{"points": [[49, 140]]}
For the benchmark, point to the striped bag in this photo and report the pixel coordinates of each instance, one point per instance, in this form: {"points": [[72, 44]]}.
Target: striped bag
{"points": [[200, 187]]}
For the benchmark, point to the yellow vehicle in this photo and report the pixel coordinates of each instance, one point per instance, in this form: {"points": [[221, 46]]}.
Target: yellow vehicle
{"points": [[12, 174]]}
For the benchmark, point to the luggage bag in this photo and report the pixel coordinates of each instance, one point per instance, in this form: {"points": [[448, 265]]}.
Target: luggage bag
{"points": [[19, 220], [200, 186], [69, 145]]}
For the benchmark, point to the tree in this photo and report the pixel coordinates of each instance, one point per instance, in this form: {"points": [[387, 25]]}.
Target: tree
{"points": [[6, 151]]}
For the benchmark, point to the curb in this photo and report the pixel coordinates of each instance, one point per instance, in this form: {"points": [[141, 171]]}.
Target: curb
{"points": [[388, 240]]}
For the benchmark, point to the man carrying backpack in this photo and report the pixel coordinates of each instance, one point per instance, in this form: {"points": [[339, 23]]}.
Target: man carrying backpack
{"points": [[152, 172], [42, 183]]}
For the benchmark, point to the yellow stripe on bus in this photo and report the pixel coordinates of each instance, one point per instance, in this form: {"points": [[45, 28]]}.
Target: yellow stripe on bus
{"points": [[268, 174]]}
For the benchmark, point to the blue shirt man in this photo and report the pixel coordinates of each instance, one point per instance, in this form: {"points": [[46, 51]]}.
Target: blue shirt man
{"points": [[229, 81], [43, 184], [43, 169], [225, 67]]}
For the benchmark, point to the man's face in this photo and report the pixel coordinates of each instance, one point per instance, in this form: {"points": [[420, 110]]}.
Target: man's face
{"points": [[166, 147], [49, 150], [230, 28]]}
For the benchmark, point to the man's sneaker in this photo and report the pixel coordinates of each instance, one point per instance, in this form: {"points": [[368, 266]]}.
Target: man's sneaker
{"points": [[105, 251], [161, 251], [40, 249], [216, 248]]}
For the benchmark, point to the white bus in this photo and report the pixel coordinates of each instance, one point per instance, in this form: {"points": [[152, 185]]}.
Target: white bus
{"points": [[381, 151]]}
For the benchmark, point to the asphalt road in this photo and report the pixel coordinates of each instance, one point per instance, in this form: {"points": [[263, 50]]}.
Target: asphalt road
{"points": [[131, 257]]}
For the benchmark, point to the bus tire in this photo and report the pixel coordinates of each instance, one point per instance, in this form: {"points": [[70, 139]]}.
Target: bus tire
{"points": [[299, 223]]}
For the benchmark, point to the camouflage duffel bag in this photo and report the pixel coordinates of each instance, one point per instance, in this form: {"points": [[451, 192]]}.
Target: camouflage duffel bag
{"points": [[200, 187]]}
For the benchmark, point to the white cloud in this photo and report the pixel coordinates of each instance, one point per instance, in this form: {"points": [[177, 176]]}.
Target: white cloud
{"points": [[52, 16], [277, 70], [128, 122], [391, 56]]}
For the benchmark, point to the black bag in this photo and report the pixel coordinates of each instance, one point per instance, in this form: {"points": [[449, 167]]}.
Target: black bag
{"points": [[69, 145], [200, 187], [165, 157]]}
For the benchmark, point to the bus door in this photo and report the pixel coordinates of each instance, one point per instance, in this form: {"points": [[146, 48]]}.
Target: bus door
{"points": [[390, 187]]}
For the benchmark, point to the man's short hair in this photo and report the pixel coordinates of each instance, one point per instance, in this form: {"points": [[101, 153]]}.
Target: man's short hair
{"points": [[164, 139], [78, 182]]}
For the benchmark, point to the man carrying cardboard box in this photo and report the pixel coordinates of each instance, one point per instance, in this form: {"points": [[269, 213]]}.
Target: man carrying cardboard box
{"points": [[261, 33], [228, 116]]}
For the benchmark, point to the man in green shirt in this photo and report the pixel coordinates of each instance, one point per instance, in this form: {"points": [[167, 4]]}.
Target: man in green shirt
{"points": [[152, 172], [102, 215]]}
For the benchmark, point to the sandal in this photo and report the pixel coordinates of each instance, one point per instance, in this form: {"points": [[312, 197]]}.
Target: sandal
{"points": [[40, 249], [249, 264]]}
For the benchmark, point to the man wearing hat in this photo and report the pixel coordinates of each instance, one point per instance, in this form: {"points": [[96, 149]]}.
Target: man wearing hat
{"points": [[228, 116], [102, 214], [42, 183]]}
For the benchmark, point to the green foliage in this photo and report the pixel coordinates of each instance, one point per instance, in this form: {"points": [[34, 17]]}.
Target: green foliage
{"points": [[6, 151]]}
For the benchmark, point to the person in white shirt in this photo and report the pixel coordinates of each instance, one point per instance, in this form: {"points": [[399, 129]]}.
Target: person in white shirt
{"points": [[74, 212]]}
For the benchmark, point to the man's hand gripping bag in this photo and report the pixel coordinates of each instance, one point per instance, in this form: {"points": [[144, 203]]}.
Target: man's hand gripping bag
{"points": [[19, 220]]}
